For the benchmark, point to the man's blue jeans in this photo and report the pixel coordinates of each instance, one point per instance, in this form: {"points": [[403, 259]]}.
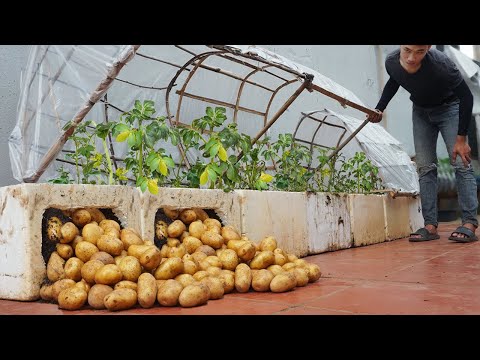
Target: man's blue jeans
{"points": [[427, 123]]}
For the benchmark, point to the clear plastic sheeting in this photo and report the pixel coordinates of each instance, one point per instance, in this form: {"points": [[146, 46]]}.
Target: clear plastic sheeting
{"points": [[263, 93], [396, 169]]}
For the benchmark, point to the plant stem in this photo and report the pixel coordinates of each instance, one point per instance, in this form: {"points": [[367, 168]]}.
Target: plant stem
{"points": [[109, 162]]}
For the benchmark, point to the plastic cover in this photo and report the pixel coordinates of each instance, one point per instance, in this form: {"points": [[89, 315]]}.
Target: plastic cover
{"points": [[60, 81]]}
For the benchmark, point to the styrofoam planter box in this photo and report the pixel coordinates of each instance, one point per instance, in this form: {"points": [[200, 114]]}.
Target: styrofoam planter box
{"points": [[226, 205], [22, 267], [367, 219], [277, 213], [403, 216], [328, 222]]}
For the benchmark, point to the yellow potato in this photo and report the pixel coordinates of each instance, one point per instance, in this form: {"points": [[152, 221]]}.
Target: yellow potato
{"points": [[201, 214], [104, 257], [130, 237], [208, 250], [84, 250], [189, 267], [300, 263], [81, 217], [185, 279], [291, 257], [301, 275], [314, 272], [268, 244], [126, 284], [75, 241], [230, 233], [187, 216], [262, 260], [280, 259], [214, 271], [283, 282], [199, 256], [73, 269], [46, 292], [108, 275], [215, 285], [130, 268], [150, 258], [288, 266], [72, 298], [55, 267], [212, 239], [176, 228], [82, 284], [178, 251], [91, 233], [210, 222], [229, 259], [246, 252], [109, 223], [171, 213], [191, 243], [68, 231], [89, 270], [120, 299], [110, 244], [169, 292], [146, 290], [214, 261], [169, 269], [96, 214], [275, 269], [64, 250], [97, 294], [194, 295], [261, 280], [243, 278], [199, 275], [60, 285]]}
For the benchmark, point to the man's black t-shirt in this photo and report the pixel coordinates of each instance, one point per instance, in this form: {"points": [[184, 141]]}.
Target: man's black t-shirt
{"points": [[437, 82]]}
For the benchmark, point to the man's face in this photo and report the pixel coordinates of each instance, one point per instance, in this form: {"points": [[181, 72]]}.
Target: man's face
{"points": [[412, 55]]}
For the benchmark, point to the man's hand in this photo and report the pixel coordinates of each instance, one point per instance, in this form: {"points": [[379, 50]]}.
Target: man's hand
{"points": [[375, 117], [462, 148]]}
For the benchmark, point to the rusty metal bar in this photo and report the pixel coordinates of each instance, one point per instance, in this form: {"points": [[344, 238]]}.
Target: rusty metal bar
{"points": [[80, 115]]}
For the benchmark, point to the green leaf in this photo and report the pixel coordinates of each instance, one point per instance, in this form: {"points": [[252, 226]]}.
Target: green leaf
{"points": [[119, 128], [155, 164], [214, 150], [209, 112], [204, 177], [123, 136], [212, 174], [131, 139], [169, 161], [231, 173]]}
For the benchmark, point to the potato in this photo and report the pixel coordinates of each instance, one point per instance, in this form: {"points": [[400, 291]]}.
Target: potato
{"points": [[164, 251], [130, 268], [194, 295], [169, 292], [230, 233], [184, 235], [97, 294], [96, 215], [201, 214], [191, 243], [243, 278], [89, 270], [228, 280], [109, 223], [120, 257], [126, 284], [137, 250], [91, 233], [55, 269], [215, 285], [246, 252], [206, 249], [60, 285], [275, 269], [268, 244], [72, 298], [110, 244], [199, 275], [199, 256], [288, 266], [68, 231], [185, 279], [171, 213], [229, 259], [104, 257], [84, 250], [54, 225], [169, 269], [212, 239], [146, 290], [75, 241], [130, 237], [187, 216], [291, 257], [109, 274], [161, 229], [178, 251], [301, 275], [300, 263], [209, 222], [176, 228], [314, 272], [73, 268], [214, 261], [283, 282], [189, 267], [280, 259], [235, 244], [81, 217], [262, 260], [111, 231], [64, 250], [82, 284], [46, 292], [204, 265], [120, 299], [261, 280], [150, 258]]}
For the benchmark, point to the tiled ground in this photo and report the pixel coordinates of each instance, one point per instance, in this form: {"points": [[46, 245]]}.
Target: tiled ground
{"points": [[398, 277]]}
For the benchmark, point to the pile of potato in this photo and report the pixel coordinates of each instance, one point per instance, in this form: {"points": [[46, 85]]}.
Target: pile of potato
{"points": [[98, 263]]}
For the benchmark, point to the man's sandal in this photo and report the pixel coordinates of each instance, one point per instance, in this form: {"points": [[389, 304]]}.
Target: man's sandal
{"points": [[425, 235], [469, 235]]}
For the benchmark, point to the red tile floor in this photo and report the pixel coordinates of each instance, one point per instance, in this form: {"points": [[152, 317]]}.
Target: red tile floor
{"points": [[398, 277]]}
